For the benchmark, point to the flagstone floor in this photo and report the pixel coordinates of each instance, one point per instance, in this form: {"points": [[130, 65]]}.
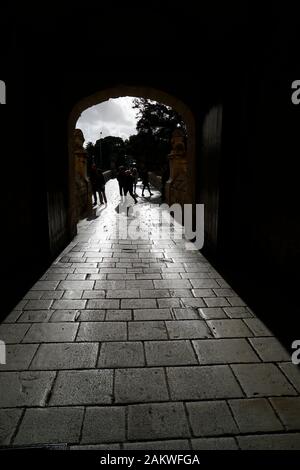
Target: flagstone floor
{"points": [[141, 344]]}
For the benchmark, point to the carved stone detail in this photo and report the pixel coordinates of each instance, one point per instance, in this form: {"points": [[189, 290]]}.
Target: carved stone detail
{"points": [[82, 183], [176, 187]]}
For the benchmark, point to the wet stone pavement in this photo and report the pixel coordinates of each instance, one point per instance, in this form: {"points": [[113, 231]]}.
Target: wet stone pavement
{"points": [[140, 344]]}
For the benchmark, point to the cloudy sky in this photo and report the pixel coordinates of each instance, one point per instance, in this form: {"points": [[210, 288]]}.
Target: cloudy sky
{"points": [[113, 117]]}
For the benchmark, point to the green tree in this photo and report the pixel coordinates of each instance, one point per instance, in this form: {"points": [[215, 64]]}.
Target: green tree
{"points": [[109, 152], [155, 126]]}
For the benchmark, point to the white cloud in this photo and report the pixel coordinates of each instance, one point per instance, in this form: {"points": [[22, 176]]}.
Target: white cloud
{"points": [[113, 117]]}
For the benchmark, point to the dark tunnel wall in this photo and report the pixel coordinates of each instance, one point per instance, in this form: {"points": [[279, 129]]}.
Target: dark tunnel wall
{"points": [[209, 176], [258, 239], [248, 183], [23, 174]]}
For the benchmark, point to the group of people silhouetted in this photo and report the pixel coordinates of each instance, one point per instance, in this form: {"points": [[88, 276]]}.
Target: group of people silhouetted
{"points": [[127, 179], [127, 182], [98, 184]]}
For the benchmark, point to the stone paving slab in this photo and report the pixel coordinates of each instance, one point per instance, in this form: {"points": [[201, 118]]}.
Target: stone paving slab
{"points": [[172, 284], [202, 383], [288, 409], [50, 425], [147, 330], [188, 329], [211, 313], [211, 418], [196, 275], [203, 292], [255, 415], [169, 276], [186, 314], [262, 380], [12, 317], [9, 419], [13, 334], [65, 304], [216, 302], [169, 353], [102, 331], [154, 293], [19, 356], [85, 387], [138, 303], [269, 349], [25, 388], [110, 284], [285, 441], [48, 294], [152, 314], [51, 332], [229, 328], [257, 327], [140, 385], [192, 302], [204, 283], [103, 304], [94, 294], [292, 373], [65, 356], [157, 421], [91, 315], [64, 316], [96, 447], [141, 344], [121, 354], [180, 444], [118, 315], [165, 303], [224, 351], [73, 285], [123, 294], [105, 424], [237, 312], [45, 285], [54, 277], [35, 316], [218, 443]]}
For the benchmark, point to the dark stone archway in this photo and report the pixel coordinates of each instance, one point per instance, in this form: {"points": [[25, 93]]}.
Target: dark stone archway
{"points": [[134, 91]]}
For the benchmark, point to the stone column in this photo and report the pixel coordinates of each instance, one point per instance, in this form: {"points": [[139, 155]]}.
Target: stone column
{"points": [[176, 186], [83, 186]]}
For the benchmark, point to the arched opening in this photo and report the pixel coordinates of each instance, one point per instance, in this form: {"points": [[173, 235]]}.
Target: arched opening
{"points": [[139, 92]]}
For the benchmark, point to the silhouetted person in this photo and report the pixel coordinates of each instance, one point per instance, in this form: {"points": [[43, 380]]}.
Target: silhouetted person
{"points": [[101, 187], [121, 180], [98, 184], [128, 184], [145, 182], [134, 173], [93, 180]]}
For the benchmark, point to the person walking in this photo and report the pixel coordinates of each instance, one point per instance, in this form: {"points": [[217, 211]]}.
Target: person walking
{"points": [[134, 173], [93, 180], [101, 186], [145, 182], [98, 184], [128, 185], [121, 179]]}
